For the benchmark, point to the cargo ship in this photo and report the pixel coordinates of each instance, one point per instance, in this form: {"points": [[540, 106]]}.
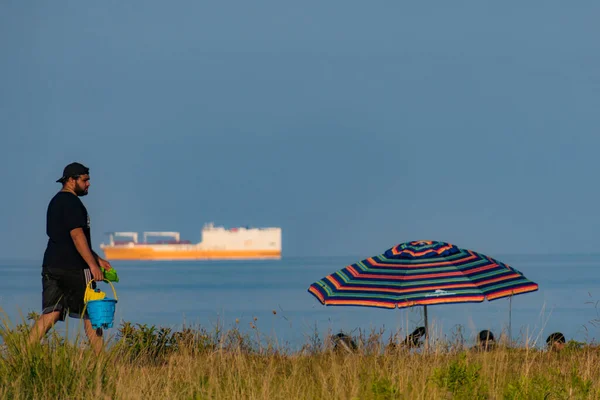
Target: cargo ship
{"points": [[217, 243]]}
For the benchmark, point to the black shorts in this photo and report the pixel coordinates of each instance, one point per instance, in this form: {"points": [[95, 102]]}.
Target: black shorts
{"points": [[63, 290]]}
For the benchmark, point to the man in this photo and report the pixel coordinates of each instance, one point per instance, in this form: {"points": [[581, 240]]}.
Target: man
{"points": [[556, 341], [485, 341], [69, 262]]}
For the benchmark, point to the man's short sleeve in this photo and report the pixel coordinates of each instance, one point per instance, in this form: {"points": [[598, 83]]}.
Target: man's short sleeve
{"points": [[74, 214]]}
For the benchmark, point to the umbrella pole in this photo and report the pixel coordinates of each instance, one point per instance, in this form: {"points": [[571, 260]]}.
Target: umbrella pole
{"points": [[510, 321], [426, 324]]}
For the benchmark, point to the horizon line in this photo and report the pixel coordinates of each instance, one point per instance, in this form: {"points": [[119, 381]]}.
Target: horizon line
{"points": [[24, 259]]}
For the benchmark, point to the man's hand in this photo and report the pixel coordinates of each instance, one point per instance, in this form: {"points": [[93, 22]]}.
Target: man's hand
{"points": [[103, 263], [97, 273]]}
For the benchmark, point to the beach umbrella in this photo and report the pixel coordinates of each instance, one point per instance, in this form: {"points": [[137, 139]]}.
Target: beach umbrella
{"points": [[421, 273]]}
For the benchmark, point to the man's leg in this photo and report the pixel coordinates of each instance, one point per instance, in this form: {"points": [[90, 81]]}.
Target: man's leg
{"points": [[52, 306], [77, 281], [42, 326], [94, 335]]}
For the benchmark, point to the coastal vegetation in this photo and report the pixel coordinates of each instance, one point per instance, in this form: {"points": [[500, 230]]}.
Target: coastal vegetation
{"points": [[143, 361]]}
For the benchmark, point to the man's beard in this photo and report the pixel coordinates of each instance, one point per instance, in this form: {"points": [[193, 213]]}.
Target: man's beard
{"points": [[79, 191]]}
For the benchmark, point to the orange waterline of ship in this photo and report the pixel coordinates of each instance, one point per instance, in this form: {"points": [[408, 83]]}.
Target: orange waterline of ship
{"points": [[150, 254]]}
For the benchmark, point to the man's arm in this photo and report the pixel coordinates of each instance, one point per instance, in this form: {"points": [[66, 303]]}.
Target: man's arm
{"points": [[84, 249]]}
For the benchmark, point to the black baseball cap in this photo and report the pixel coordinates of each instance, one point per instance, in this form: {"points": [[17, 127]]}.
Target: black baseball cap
{"points": [[72, 170]]}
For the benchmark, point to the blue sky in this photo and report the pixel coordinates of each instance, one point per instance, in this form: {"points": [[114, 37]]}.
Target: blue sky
{"points": [[352, 125]]}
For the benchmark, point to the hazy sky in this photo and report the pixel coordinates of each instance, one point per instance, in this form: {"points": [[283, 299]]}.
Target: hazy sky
{"points": [[352, 125]]}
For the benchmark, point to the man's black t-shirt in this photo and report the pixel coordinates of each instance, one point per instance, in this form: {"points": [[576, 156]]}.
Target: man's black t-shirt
{"points": [[65, 213]]}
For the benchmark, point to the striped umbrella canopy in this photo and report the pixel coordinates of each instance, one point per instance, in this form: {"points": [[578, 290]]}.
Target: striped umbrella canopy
{"points": [[421, 273]]}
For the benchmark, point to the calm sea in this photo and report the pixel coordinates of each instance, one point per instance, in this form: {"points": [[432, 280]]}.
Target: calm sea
{"points": [[212, 293]]}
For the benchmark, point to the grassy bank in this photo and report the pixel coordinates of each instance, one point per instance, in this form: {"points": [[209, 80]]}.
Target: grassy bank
{"points": [[144, 362]]}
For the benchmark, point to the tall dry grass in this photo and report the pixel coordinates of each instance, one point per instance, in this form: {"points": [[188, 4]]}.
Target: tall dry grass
{"points": [[146, 362]]}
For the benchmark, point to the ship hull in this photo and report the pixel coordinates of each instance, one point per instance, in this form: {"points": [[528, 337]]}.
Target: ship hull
{"points": [[218, 243], [149, 253]]}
